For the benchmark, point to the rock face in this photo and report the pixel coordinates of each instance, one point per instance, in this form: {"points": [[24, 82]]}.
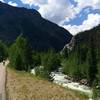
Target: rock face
{"points": [[71, 44], [41, 34]]}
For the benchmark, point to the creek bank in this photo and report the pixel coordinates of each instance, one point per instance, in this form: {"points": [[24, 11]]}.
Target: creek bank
{"points": [[61, 79]]}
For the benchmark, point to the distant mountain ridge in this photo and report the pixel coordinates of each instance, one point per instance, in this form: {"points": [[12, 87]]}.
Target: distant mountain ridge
{"points": [[42, 34], [84, 37]]}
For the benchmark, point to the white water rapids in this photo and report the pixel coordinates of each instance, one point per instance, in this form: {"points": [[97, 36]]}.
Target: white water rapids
{"points": [[59, 78]]}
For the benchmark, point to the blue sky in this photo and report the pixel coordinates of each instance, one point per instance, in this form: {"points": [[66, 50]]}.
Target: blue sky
{"points": [[73, 15]]}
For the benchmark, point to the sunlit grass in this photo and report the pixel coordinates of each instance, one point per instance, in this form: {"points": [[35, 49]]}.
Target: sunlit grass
{"points": [[24, 86]]}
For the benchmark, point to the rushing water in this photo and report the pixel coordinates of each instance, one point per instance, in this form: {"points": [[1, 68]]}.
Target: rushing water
{"points": [[59, 78]]}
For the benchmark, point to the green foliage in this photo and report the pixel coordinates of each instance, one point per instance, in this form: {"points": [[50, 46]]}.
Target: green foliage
{"points": [[36, 58], [92, 62], [65, 53], [96, 94], [20, 54], [42, 72], [72, 68], [84, 60], [69, 67], [81, 53], [50, 60], [45, 62], [96, 88], [3, 51]]}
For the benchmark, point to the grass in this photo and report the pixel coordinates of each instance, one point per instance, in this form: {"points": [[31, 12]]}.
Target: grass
{"points": [[24, 86]]}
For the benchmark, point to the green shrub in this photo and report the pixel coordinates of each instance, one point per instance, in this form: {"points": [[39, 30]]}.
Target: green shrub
{"points": [[50, 60], [36, 58], [42, 72]]}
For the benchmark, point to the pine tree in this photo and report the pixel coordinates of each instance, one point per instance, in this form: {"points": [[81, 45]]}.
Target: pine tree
{"points": [[20, 54], [50, 60], [65, 53], [96, 88], [92, 62]]}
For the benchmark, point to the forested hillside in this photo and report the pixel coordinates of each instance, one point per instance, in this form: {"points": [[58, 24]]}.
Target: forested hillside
{"points": [[83, 62]]}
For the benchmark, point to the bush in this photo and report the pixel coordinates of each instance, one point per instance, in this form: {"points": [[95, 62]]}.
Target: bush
{"points": [[42, 72], [96, 93], [50, 60], [74, 69], [47, 62], [36, 58]]}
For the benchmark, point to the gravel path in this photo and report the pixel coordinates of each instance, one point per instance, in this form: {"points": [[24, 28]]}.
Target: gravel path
{"points": [[2, 80]]}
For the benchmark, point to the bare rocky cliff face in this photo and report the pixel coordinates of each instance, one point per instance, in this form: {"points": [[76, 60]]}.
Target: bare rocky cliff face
{"points": [[70, 45]]}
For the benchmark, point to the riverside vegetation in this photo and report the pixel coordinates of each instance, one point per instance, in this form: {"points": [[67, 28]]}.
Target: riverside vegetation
{"points": [[81, 63]]}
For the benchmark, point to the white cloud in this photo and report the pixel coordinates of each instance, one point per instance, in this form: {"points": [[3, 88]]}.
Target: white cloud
{"points": [[2, 1], [12, 3], [95, 4], [92, 21], [54, 10], [62, 10], [34, 2]]}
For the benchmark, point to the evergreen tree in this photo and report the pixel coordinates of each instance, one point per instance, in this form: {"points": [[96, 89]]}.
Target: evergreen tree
{"points": [[65, 53], [36, 58], [78, 54], [96, 88], [50, 60], [92, 62], [20, 54]]}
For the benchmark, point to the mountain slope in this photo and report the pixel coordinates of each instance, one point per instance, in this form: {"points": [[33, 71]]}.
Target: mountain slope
{"points": [[41, 33], [84, 37]]}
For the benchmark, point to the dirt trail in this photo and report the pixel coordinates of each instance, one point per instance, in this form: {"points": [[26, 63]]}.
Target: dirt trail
{"points": [[3, 80]]}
